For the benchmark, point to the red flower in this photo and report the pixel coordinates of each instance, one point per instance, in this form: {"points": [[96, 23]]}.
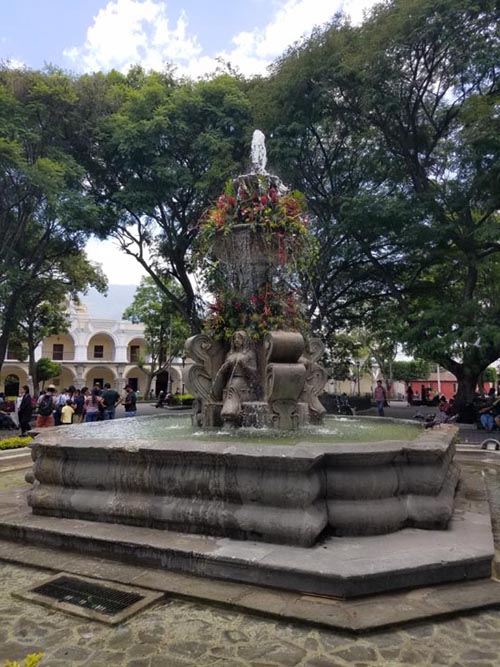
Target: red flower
{"points": [[263, 200]]}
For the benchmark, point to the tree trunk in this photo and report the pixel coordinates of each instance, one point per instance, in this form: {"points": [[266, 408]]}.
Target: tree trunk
{"points": [[467, 383], [149, 380], [33, 372]]}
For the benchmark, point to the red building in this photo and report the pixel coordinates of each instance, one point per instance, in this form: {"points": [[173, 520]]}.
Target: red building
{"points": [[442, 384]]}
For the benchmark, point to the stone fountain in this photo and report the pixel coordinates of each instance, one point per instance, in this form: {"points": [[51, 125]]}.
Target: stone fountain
{"points": [[270, 379], [340, 519]]}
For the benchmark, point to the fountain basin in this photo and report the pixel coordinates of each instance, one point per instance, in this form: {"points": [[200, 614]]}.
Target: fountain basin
{"points": [[282, 494]]}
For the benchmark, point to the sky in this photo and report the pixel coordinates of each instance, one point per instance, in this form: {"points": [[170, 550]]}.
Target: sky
{"points": [[194, 35]]}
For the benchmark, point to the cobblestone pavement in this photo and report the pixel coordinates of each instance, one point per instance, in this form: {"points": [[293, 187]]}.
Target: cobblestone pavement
{"points": [[182, 634], [178, 633]]}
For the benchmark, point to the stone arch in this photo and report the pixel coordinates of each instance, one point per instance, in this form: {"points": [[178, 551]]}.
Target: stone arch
{"points": [[13, 370], [136, 348], [101, 346], [169, 380], [101, 373], [136, 377], [59, 347]]}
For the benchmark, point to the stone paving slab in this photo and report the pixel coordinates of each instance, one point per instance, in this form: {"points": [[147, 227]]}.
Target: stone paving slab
{"points": [[181, 633], [360, 615], [341, 567]]}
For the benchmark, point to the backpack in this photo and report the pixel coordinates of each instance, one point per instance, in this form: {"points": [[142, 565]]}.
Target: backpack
{"points": [[46, 406]]}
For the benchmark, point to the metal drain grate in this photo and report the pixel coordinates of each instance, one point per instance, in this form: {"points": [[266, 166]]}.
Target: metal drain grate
{"points": [[110, 602], [91, 596]]}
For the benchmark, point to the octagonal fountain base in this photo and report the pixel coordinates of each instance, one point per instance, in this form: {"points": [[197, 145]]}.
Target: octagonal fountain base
{"points": [[342, 520], [283, 494]]}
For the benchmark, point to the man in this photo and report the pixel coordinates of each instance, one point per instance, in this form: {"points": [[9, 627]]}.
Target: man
{"points": [[130, 402], [46, 406], [380, 396], [25, 410], [110, 399]]}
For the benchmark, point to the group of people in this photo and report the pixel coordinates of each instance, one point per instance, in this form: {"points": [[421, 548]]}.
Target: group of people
{"points": [[73, 406]]}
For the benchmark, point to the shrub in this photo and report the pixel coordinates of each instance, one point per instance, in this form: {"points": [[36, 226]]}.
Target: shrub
{"points": [[182, 399], [15, 442], [31, 660]]}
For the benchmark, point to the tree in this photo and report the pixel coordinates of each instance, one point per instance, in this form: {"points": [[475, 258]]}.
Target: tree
{"points": [[156, 156], [400, 119], [45, 217], [44, 307], [410, 371], [165, 330], [47, 369]]}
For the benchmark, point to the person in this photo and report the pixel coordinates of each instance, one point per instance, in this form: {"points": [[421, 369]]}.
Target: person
{"points": [[92, 402], [130, 402], [25, 410], [67, 413], [488, 414], [161, 399], [380, 396], [409, 395], [60, 402], [45, 407], [343, 406], [443, 415], [77, 402], [110, 399]]}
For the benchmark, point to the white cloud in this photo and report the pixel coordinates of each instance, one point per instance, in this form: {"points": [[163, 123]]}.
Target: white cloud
{"points": [[121, 269], [128, 32], [13, 63], [253, 51]]}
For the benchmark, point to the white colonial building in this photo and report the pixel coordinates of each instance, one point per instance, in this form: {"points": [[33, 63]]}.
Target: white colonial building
{"points": [[94, 350]]}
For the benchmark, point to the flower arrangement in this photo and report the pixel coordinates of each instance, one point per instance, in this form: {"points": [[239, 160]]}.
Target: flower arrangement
{"points": [[271, 308], [258, 202]]}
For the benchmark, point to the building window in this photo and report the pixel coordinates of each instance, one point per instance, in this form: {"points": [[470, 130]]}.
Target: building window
{"points": [[57, 352], [98, 351], [135, 351]]}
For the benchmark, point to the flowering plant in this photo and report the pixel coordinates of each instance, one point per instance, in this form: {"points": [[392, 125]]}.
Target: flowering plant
{"points": [[256, 201], [269, 309]]}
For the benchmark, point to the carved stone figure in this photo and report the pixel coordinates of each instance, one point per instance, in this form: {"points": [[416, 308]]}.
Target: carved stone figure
{"points": [[235, 381]]}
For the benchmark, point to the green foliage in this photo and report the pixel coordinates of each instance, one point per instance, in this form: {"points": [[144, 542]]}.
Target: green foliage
{"points": [[391, 130], [45, 214], [182, 399], [490, 375], [15, 442], [409, 371], [47, 369], [157, 154], [165, 329]]}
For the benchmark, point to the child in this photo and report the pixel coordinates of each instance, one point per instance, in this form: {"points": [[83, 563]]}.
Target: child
{"points": [[67, 413]]}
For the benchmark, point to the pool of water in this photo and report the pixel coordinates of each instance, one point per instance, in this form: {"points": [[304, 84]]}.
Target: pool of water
{"points": [[169, 428]]}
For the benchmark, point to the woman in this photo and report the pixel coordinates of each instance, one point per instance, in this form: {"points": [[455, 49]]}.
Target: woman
{"points": [[92, 403], [25, 410]]}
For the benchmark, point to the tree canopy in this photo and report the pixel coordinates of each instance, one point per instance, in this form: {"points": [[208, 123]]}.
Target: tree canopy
{"points": [[392, 131]]}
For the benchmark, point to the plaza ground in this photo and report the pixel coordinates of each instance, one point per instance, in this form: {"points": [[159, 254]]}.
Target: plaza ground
{"points": [[181, 633]]}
